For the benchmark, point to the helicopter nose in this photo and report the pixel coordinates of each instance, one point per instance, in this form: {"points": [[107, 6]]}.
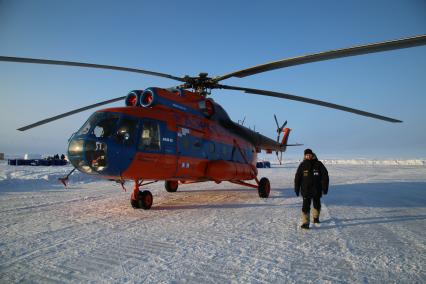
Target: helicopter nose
{"points": [[96, 155], [105, 157], [88, 156], [76, 155]]}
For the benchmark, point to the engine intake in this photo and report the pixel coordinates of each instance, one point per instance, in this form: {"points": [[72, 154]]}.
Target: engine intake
{"points": [[133, 98], [148, 98]]}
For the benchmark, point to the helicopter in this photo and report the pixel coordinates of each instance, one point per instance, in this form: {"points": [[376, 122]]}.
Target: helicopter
{"points": [[179, 135]]}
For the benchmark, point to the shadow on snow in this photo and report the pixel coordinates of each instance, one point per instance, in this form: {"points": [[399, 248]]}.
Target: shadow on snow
{"points": [[343, 223], [387, 194]]}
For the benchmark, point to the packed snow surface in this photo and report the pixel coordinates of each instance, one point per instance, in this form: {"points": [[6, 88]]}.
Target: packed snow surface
{"points": [[373, 229]]}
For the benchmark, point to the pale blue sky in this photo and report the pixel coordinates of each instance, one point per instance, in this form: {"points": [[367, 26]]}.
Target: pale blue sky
{"points": [[188, 37]]}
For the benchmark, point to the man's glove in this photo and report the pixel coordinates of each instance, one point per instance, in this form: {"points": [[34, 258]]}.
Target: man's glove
{"points": [[297, 193], [325, 191]]}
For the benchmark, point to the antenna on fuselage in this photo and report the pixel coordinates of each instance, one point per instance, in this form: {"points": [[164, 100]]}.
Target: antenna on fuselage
{"points": [[241, 122]]}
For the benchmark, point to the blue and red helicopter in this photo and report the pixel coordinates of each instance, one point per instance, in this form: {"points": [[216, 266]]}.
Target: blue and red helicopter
{"points": [[180, 136]]}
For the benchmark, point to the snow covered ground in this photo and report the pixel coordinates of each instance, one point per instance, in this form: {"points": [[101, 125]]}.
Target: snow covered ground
{"points": [[373, 229]]}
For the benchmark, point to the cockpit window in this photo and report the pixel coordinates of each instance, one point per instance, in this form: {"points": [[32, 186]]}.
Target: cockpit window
{"points": [[100, 124], [150, 136], [96, 155], [105, 125], [88, 125], [126, 131]]}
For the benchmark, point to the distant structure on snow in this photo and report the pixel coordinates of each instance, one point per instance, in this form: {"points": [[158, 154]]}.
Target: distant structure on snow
{"points": [[37, 160]]}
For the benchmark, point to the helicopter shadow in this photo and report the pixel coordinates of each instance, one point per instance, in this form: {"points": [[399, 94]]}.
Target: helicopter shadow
{"points": [[172, 207], [283, 192], [215, 190], [238, 199], [276, 193]]}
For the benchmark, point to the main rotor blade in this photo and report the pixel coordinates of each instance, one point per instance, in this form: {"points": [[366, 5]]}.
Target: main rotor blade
{"points": [[50, 119], [327, 55], [87, 65], [309, 101]]}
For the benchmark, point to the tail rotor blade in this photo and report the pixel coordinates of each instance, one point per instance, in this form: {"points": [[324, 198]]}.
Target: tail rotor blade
{"points": [[276, 121]]}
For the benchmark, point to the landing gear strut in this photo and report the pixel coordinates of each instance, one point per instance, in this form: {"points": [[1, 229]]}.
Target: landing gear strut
{"points": [[141, 199], [65, 179], [263, 186]]}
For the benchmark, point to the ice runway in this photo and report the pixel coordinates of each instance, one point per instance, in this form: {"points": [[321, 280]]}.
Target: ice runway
{"points": [[372, 230]]}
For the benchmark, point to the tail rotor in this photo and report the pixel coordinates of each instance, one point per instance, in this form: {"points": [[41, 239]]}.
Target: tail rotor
{"points": [[279, 131]]}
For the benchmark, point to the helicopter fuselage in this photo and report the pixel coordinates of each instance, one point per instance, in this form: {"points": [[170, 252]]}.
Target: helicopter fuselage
{"points": [[169, 136]]}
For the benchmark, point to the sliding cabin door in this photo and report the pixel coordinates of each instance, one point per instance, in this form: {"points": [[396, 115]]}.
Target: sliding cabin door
{"points": [[191, 156], [157, 149]]}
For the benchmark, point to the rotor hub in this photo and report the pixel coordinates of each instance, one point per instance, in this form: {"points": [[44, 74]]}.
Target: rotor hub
{"points": [[202, 84]]}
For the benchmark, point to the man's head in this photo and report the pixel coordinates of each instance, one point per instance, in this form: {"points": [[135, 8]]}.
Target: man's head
{"points": [[308, 154]]}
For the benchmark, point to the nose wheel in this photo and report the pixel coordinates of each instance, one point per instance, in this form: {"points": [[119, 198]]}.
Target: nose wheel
{"points": [[144, 200], [141, 199]]}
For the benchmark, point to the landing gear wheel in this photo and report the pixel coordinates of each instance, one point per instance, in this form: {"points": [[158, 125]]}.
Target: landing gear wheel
{"points": [[171, 185], [144, 200], [264, 188]]}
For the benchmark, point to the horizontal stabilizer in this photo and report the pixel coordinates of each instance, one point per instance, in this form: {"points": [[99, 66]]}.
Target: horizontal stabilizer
{"points": [[294, 144]]}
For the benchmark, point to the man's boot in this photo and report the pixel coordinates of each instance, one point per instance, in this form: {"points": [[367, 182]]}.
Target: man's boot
{"points": [[305, 221], [315, 215], [305, 226]]}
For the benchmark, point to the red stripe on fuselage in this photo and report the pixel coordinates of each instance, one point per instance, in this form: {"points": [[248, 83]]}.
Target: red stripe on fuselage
{"points": [[170, 167]]}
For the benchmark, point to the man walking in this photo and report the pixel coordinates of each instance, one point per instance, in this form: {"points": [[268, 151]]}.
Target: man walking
{"points": [[312, 181]]}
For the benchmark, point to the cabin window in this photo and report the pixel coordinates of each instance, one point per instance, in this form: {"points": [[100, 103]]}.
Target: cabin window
{"points": [[224, 151], [211, 147], [150, 136], [197, 143], [185, 142], [126, 131]]}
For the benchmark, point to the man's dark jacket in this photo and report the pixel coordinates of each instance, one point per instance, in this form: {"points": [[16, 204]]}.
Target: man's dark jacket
{"points": [[311, 179]]}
